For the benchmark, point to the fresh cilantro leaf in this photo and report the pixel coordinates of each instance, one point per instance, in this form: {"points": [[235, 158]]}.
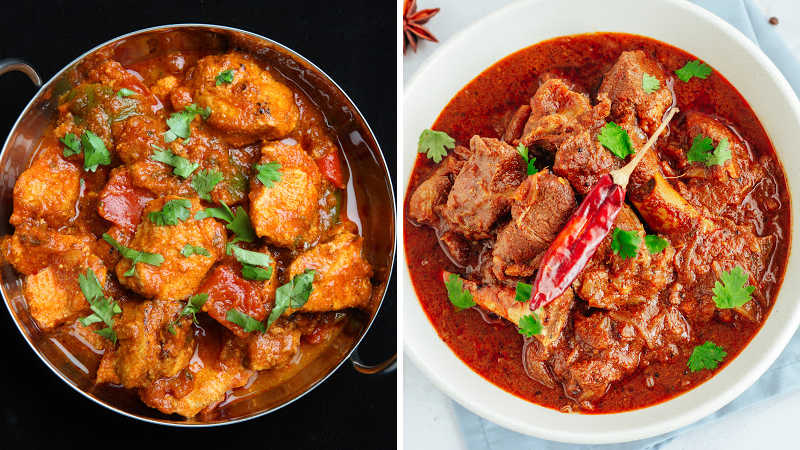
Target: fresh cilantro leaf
{"points": [[94, 151], [699, 151], [205, 113], [655, 244], [720, 155], [154, 259], [734, 291], [616, 140], [460, 298], [256, 273], [247, 323], [179, 123], [523, 292], [650, 83], [226, 76], [693, 69], [530, 325], [73, 144], [242, 227], [435, 144], [625, 243], [125, 92], [171, 213], [293, 294], [523, 151], [204, 181], [189, 250], [103, 309], [182, 166], [171, 329], [223, 213], [252, 258], [269, 173], [194, 305], [706, 356]]}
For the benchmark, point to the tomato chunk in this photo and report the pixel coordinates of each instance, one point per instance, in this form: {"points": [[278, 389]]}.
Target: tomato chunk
{"points": [[121, 202], [333, 169]]}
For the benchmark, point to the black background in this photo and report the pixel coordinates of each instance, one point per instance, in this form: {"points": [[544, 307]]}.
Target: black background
{"points": [[354, 42]]}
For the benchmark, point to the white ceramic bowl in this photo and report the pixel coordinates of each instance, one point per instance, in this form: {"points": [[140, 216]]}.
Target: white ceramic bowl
{"points": [[675, 22]]}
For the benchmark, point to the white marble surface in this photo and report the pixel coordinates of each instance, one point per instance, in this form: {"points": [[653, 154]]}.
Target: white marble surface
{"points": [[428, 417]]}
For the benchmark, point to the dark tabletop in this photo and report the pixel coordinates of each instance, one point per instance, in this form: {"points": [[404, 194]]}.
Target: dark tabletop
{"points": [[352, 41]]}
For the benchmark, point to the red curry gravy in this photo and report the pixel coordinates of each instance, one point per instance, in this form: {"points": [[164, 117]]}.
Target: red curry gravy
{"points": [[493, 348]]}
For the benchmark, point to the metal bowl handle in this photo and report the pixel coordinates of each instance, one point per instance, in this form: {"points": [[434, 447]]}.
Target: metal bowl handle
{"points": [[360, 366], [16, 65]]}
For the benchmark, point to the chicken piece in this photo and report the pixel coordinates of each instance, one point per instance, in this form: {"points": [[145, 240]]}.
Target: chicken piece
{"points": [[501, 300], [542, 205], [48, 190], [275, 348], [430, 196], [137, 137], [342, 278], [582, 160], [54, 296], [555, 108], [121, 202], [33, 247], [164, 86], [599, 352], [227, 289], [720, 187], [147, 349], [253, 103], [178, 276], [200, 385], [610, 282], [286, 214], [631, 106], [482, 191]]}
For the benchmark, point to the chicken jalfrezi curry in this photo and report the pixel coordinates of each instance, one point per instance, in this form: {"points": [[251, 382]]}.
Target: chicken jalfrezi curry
{"points": [[185, 218], [679, 284]]}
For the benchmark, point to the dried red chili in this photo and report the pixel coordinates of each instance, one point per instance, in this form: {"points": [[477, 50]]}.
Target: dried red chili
{"points": [[586, 229]]}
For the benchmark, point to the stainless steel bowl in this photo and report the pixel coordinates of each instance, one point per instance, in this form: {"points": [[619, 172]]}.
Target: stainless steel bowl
{"points": [[370, 186]]}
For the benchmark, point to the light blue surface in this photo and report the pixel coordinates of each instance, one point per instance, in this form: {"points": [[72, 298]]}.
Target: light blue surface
{"points": [[782, 377]]}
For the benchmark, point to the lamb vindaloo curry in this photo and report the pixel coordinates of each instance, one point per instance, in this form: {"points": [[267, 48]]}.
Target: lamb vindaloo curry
{"points": [[184, 224], [678, 287]]}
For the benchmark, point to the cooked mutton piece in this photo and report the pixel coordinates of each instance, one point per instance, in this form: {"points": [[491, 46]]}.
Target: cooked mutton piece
{"points": [[542, 205], [482, 191], [631, 105], [430, 196]]}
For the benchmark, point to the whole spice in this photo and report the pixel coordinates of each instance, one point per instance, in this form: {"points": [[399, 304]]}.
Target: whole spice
{"points": [[413, 22], [586, 229]]}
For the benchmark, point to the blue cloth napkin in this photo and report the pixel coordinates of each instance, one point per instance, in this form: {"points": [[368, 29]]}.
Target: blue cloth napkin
{"points": [[782, 377]]}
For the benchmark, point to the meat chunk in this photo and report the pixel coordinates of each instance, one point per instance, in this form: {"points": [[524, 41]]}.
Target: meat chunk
{"points": [[501, 300], [482, 191], [178, 276], [342, 277], [582, 160], [253, 103], [275, 348], [54, 296], [286, 213], [48, 190], [608, 281], [631, 105], [227, 289], [137, 136], [147, 349], [516, 124], [33, 247], [661, 327], [542, 205], [555, 108], [430, 197], [201, 385], [600, 352]]}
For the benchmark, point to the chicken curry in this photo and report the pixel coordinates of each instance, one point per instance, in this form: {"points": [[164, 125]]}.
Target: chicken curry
{"points": [[688, 269], [182, 228]]}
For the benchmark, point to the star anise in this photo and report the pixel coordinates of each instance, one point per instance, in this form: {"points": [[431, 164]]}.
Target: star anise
{"points": [[413, 22]]}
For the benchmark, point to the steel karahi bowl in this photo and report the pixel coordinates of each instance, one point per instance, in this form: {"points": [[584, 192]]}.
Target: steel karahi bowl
{"points": [[370, 187]]}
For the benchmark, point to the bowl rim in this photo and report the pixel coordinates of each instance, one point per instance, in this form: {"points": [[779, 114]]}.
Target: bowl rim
{"points": [[391, 189], [415, 339]]}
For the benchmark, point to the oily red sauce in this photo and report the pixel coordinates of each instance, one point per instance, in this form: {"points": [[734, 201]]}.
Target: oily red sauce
{"points": [[493, 348]]}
